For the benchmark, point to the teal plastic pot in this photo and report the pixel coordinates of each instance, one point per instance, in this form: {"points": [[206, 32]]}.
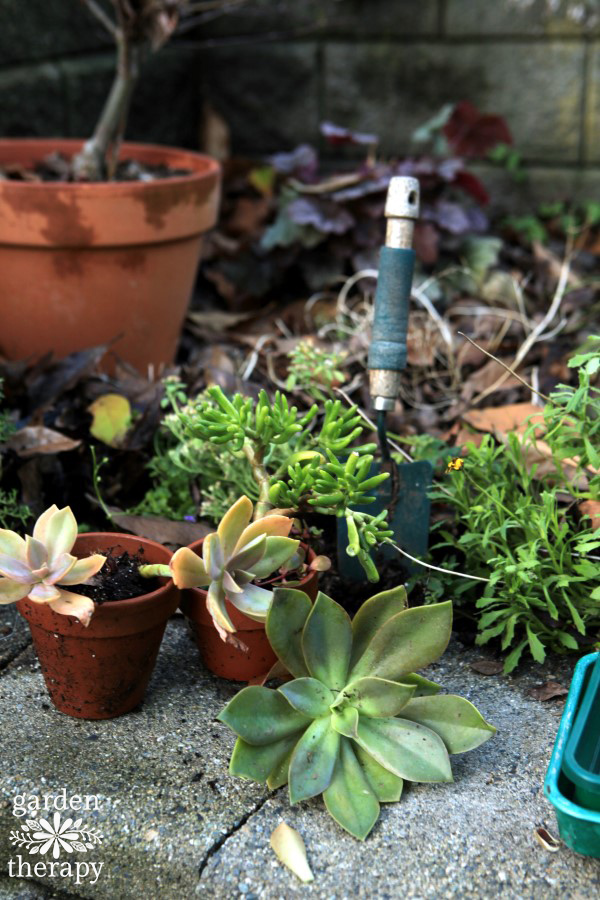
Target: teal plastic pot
{"points": [[581, 762], [579, 826]]}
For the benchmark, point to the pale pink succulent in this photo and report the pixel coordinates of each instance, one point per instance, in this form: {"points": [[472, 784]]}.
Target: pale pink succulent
{"points": [[39, 566], [239, 552]]}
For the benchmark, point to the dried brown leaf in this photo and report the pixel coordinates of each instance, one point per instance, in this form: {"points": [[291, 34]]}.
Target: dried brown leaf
{"points": [[487, 666], [164, 531], [548, 691], [34, 439]]}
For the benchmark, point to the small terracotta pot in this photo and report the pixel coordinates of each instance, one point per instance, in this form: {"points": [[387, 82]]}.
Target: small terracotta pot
{"points": [[224, 659], [91, 263], [102, 671]]}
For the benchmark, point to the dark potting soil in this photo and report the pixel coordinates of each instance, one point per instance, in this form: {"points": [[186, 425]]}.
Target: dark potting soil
{"points": [[57, 167], [118, 579]]}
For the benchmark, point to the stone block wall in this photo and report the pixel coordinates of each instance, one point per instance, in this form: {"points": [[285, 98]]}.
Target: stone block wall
{"points": [[277, 68]]}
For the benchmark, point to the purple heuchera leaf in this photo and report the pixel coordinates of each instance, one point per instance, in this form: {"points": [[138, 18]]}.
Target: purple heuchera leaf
{"points": [[324, 215], [301, 162], [338, 135]]}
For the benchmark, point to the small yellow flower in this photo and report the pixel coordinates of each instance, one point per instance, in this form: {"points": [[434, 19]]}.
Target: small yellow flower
{"points": [[454, 465]]}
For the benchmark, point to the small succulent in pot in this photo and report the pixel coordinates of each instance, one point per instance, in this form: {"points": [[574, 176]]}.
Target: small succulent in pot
{"points": [[238, 553], [40, 565], [356, 721]]}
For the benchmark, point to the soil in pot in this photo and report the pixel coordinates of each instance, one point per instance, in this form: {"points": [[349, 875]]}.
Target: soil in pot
{"points": [[118, 579], [102, 671], [224, 659]]}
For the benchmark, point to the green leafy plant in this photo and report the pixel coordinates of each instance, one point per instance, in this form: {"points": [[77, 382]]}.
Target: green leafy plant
{"points": [[355, 722], [542, 592], [319, 470], [233, 557], [572, 423], [314, 370]]}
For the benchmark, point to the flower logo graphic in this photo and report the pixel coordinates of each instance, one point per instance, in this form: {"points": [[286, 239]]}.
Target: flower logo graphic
{"points": [[40, 836]]}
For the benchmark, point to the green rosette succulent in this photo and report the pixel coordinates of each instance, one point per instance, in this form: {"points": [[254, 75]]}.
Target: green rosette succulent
{"points": [[356, 721]]}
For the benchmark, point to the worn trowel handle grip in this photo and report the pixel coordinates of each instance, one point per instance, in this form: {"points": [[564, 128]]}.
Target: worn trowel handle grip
{"points": [[390, 323], [387, 355]]}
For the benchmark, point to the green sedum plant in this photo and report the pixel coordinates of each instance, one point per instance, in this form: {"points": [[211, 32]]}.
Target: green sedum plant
{"points": [[314, 370], [319, 469], [355, 722]]}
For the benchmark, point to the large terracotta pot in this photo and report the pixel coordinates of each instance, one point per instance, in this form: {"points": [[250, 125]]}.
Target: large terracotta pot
{"points": [[224, 659], [102, 671], [83, 264]]}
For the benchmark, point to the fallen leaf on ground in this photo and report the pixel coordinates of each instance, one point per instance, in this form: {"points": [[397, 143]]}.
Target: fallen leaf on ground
{"points": [[591, 508], [290, 849], [548, 842], [500, 420], [487, 666], [35, 439], [164, 531], [548, 691], [484, 378], [111, 415]]}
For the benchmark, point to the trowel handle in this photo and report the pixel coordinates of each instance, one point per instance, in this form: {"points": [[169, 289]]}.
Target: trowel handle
{"points": [[390, 323], [387, 354]]}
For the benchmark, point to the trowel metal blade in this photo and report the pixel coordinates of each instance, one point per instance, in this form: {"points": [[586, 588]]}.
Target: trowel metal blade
{"points": [[409, 522]]}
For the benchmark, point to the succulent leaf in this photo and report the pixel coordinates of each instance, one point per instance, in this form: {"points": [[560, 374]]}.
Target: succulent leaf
{"points": [[308, 696], [83, 569], [212, 553], [372, 615], [313, 760], [60, 533], [377, 697], [11, 591], [12, 545], [70, 604], [423, 687], [350, 798], [280, 773], [15, 570], [44, 593], [61, 568], [272, 526], [285, 621], [253, 601], [257, 763], [278, 551], [233, 524], [345, 721], [386, 786], [249, 555], [41, 526], [215, 604], [405, 748], [289, 848], [327, 642], [409, 640], [459, 724], [37, 554], [261, 716], [188, 570]]}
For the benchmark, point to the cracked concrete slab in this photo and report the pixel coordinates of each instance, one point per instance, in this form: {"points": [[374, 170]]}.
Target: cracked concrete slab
{"points": [[14, 634], [174, 824]]}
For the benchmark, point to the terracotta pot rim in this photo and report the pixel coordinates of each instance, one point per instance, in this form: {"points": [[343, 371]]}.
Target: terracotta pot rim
{"points": [[132, 602], [203, 165]]}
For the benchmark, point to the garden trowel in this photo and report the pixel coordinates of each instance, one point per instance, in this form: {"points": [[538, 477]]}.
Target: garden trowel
{"points": [[405, 493]]}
